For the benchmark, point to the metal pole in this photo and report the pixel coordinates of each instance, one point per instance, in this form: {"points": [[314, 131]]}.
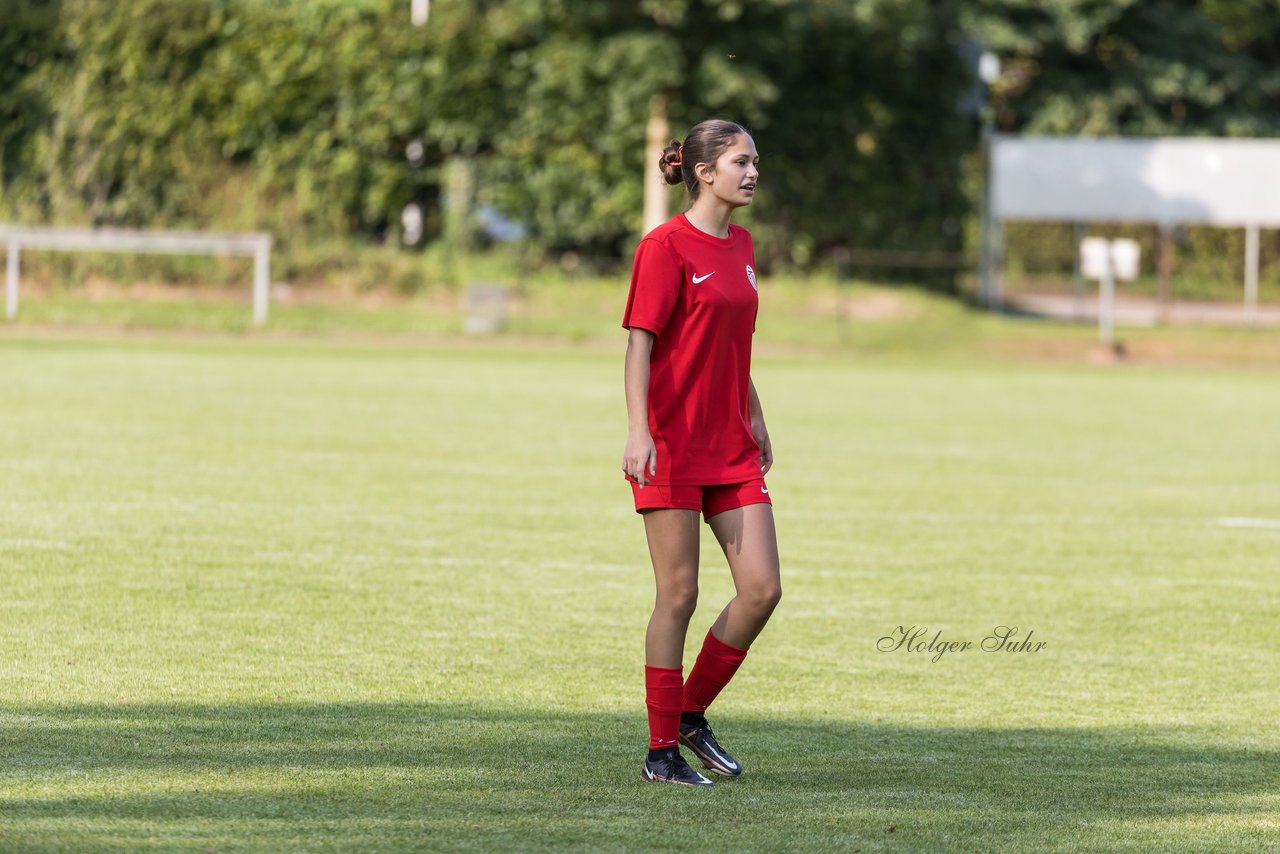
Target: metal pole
{"points": [[984, 234], [1164, 266], [11, 283], [997, 262], [1107, 306], [989, 73], [1077, 277], [1251, 269], [261, 283], [840, 257]]}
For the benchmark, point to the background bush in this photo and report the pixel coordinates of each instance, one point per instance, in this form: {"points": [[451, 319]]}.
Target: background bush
{"points": [[296, 116]]}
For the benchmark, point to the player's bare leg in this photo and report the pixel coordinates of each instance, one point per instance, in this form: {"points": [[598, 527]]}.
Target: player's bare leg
{"points": [[673, 546], [750, 542]]}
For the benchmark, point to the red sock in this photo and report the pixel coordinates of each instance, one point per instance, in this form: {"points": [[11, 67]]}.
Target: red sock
{"points": [[716, 664], [663, 693]]}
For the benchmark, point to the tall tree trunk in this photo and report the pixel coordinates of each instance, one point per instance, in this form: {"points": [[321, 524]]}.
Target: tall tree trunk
{"points": [[657, 134]]}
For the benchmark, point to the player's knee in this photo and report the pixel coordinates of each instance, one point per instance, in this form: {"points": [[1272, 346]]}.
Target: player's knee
{"points": [[680, 600], [763, 598]]}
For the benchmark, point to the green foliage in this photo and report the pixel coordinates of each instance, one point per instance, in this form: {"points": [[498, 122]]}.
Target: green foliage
{"points": [[1156, 67], [160, 103], [296, 115], [26, 42], [853, 108], [155, 108], [319, 98], [866, 139], [128, 124]]}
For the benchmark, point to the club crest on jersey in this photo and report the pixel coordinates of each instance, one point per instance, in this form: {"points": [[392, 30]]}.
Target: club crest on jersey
{"points": [[751, 277]]}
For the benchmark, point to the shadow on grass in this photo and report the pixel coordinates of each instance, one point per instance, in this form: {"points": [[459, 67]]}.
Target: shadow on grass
{"points": [[400, 776]]}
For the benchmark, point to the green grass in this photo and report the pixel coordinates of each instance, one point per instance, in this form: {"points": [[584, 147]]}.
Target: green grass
{"points": [[266, 595], [811, 316]]}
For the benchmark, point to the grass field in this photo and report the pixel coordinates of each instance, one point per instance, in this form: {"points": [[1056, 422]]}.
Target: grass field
{"points": [[304, 595], [810, 316]]}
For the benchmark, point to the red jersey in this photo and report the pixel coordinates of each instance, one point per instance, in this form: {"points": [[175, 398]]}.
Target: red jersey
{"points": [[697, 293]]}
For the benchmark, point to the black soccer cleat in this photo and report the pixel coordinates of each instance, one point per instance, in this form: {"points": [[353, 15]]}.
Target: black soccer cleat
{"points": [[671, 768], [697, 736]]}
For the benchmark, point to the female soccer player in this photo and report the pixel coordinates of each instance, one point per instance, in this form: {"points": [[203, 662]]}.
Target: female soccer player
{"points": [[697, 440]]}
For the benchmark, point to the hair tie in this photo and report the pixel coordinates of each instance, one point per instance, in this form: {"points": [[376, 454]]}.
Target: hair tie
{"points": [[679, 161]]}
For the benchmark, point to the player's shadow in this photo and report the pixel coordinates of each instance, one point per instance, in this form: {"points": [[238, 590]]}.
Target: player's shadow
{"points": [[371, 775]]}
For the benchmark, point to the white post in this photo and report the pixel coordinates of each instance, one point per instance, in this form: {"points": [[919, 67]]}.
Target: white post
{"points": [[986, 263], [1107, 260], [1251, 269], [419, 11], [997, 262], [11, 283], [261, 282]]}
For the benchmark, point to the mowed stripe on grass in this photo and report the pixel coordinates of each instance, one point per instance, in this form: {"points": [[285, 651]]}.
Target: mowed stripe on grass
{"points": [[264, 596]]}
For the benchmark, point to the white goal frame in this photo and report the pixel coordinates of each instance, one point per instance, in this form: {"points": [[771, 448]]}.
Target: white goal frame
{"points": [[256, 245]]}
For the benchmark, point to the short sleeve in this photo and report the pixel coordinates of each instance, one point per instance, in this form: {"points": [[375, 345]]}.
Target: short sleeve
{"points": [[655, 285]]}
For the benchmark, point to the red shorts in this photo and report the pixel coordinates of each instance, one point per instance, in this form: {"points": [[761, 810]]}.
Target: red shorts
{"points": [[711, 500]]}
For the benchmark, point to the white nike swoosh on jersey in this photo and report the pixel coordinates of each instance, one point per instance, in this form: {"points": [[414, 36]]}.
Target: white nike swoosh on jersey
{"points": [[765, 490], [699, 279]]}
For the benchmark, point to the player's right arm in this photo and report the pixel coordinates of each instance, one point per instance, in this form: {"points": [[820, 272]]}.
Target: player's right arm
{"points": [[640, 457]]}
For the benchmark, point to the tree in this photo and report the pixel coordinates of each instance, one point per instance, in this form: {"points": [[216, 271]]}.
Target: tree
{"points": [[1135, 67], [27, 41], [853, 106]]}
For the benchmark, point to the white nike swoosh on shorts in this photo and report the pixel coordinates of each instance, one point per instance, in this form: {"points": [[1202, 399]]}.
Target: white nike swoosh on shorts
{"points": [[765, 490]]}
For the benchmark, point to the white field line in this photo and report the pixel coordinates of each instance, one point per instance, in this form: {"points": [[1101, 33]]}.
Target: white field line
{"points": [[1249, 522], [29, 543]]}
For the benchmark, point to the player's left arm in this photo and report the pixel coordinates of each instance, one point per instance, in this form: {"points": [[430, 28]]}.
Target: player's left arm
{"points": [[758, 431]]}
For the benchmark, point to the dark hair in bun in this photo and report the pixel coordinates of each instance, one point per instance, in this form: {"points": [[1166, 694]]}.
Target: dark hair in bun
{"points": [[704, 144], [671, 162]]}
